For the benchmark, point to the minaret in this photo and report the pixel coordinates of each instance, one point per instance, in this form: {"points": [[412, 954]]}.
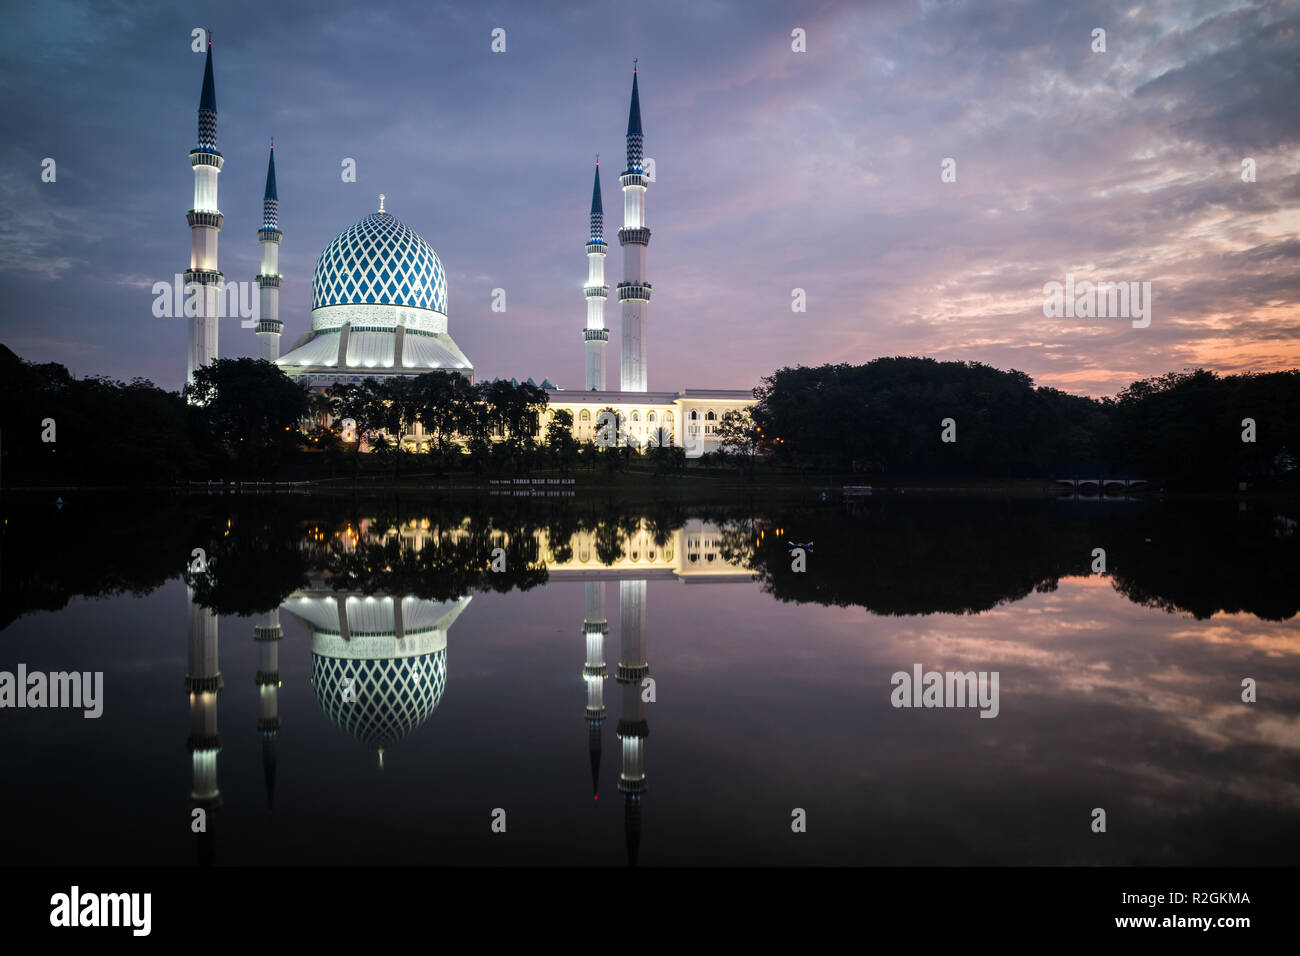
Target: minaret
{"points": [[267, 635], [632, 726], [594, 629], [205, 226], [595, 335], [269, 325], [203, 683], [634, 290]]}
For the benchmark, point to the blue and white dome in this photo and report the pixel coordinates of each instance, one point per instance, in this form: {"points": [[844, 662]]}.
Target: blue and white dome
{"points": [[393, 696], [379, 308], [379, 261]]}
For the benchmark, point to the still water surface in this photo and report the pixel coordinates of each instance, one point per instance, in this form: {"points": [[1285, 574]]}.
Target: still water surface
{"points": [[478, 689]]}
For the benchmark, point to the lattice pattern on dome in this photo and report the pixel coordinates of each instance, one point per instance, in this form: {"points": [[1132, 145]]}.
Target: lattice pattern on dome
{"points": [[379, 261], [394, 696]]}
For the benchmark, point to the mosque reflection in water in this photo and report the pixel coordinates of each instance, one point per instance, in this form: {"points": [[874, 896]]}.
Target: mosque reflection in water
{"points": [[379, 661]]}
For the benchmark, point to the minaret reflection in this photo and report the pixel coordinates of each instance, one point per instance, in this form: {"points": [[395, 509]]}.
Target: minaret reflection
{"points": [[267, 634], [632, 555], [632, 726], [594, 629], [203, 683]]}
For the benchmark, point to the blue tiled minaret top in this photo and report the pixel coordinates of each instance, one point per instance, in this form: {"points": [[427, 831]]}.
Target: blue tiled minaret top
{"points": [[597, 210], [634, 136], [270, 201], [208, 108]]}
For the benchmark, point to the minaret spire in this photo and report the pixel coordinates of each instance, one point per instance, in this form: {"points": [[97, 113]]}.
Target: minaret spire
{"points": [[208, 98], [634, 136], [634, 290], [205, 221], [270, 198], [268, 279], [595, 335]]}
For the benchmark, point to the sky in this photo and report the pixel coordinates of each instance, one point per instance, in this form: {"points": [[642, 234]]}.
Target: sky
{"points": [[776, 170]]}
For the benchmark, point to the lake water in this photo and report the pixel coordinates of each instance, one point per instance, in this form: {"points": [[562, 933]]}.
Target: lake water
{"points": [[477, 693]]}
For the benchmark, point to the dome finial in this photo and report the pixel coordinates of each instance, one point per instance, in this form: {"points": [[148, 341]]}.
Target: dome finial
{"points": [[381, 202]]}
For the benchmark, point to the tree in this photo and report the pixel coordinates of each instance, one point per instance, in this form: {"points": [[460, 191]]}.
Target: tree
{"points": [[247, 411], [444, 401], [560, 441], [357, 416], [398, 408], [664, 452], [738, 434]]}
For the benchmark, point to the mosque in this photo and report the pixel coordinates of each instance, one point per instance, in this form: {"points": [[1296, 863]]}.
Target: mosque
{"points": [[380, 307]]}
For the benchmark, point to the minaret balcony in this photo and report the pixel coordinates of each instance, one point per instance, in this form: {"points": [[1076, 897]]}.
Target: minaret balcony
{"points": [[203, 742], [633, 728], [632, 672], [274, 326], [596, 291], [203, 276], [269, 235], [597, 247], [199, 685], [633, 179], [634, 292], [269, 282], [212, 220], [595, 335], [640, 236], [206, 157]]}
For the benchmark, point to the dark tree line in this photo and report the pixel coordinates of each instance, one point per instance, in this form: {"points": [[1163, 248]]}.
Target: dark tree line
{"points": [[56, 429], [242, 418], [900, 556], [891, 555], [887, 418], [495, 423]]}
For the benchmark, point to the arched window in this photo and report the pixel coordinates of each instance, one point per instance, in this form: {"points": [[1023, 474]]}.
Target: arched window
{"points": [[668, 418], [636, 417], [584, 416], [695, 416], [650, 417], [710, 416]]}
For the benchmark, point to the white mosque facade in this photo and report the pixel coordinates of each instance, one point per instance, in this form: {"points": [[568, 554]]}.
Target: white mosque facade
{"points": [[380, 308]]}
